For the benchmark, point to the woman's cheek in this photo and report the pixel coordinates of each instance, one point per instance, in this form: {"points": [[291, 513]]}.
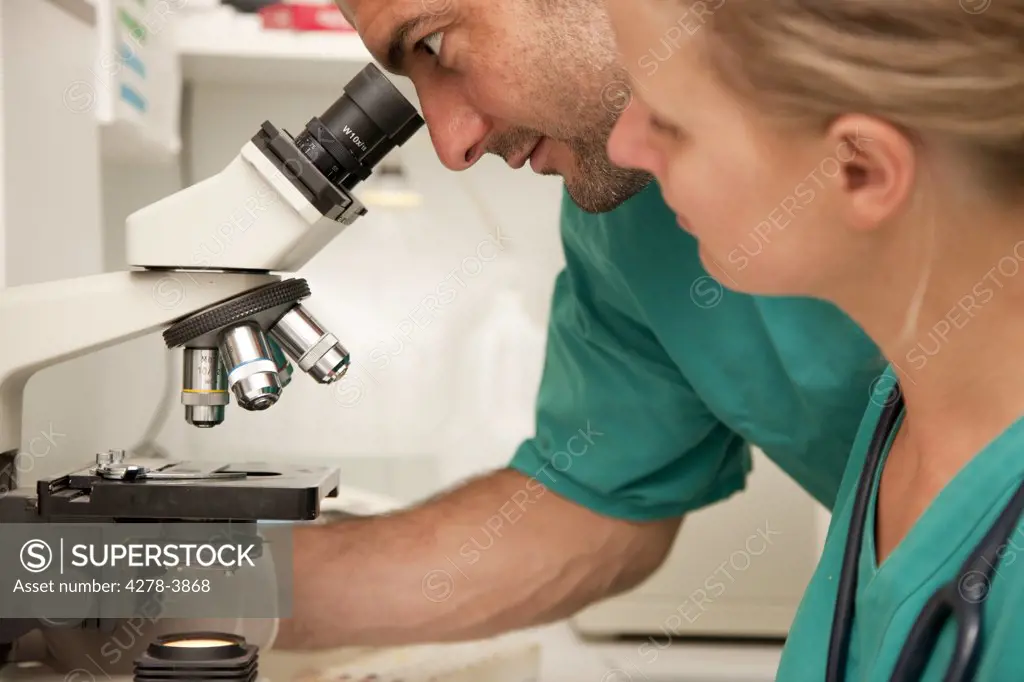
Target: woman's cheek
{"points": [[705, 200]]}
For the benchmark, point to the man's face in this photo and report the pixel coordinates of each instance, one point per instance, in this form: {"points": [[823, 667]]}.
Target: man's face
{"points": [[533, 81]]}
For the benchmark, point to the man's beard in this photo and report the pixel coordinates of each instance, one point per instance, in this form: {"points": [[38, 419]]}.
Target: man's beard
{"points": [[596, 185]]}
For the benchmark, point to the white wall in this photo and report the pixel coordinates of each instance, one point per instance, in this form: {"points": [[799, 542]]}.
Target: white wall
{"points": [[454, 397], [137, 376], [51, 210]]}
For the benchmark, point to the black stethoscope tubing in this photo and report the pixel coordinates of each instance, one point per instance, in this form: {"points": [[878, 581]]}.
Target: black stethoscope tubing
{"points": [[963, 602]]}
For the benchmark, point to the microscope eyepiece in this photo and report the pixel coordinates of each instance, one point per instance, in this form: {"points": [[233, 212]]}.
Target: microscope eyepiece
{"points": [[369, 120]]}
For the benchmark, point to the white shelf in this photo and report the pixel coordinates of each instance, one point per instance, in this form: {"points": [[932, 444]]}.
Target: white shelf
{"points": [[223, 46]]}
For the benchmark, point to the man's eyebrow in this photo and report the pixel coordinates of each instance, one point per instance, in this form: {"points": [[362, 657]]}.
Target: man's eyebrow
{"points": [[396, 52]]}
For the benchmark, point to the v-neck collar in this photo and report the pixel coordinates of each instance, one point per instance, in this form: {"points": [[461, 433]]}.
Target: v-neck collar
{"points": [[869, 566], [968, 498]]}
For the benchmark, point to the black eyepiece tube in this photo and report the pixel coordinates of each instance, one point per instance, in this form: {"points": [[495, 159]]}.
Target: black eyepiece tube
{"points": [[359, 129]]}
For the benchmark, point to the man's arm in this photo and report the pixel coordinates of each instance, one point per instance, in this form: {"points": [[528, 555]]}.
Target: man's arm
{"points": [[498, 553]]}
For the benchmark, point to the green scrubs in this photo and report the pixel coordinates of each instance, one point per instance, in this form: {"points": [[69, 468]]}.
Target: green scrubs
{"points": [[890, 597], [656, 379]]}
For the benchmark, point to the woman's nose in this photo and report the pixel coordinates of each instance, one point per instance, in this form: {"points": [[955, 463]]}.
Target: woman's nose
{"points": [[629, 144]]}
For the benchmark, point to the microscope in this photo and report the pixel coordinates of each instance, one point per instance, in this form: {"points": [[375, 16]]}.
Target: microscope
{"points": [[210, 271]]}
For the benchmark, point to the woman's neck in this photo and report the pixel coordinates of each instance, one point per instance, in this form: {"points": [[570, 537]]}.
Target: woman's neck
{"points": [[960, 363]]}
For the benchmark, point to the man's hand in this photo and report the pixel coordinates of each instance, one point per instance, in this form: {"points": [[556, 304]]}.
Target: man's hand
{"points": [[501, 552]]}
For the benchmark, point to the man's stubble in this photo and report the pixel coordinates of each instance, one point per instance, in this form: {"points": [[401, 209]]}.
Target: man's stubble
{"points": [[594, 92], [583, 87]]}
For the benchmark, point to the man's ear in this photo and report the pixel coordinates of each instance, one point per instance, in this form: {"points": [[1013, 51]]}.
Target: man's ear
{"points": [[877, 165]]}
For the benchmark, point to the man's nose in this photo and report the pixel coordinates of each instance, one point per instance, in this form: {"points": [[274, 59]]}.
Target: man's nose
{"points": [[629, 145], [457, 130]]}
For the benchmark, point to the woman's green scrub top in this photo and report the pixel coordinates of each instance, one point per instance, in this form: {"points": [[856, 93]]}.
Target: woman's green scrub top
{"points": [[890, 597]]}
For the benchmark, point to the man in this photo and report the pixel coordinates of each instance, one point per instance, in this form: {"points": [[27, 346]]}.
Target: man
{"points": [[655, 381]]}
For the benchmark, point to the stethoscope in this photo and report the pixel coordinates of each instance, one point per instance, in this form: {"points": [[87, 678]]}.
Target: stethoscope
{"points": [[950, 600]]}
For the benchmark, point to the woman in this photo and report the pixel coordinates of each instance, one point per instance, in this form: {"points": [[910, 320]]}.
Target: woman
{"points": [[870, 153]]}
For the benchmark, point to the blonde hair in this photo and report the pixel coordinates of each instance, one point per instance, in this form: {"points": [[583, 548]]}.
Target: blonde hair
{"points": [[950, 70]]}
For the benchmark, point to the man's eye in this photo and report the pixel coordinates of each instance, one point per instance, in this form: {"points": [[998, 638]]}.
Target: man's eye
{"points": [[432, 43]]}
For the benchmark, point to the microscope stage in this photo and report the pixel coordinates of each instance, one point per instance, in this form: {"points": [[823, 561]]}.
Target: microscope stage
{"points": [[262, 492]]}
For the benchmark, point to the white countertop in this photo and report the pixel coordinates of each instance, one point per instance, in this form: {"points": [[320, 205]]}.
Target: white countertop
{"points": [[562, 658], [567, 659]]}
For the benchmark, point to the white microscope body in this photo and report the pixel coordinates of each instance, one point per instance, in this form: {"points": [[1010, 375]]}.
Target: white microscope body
{"points": [[172, 241], [208, 261]]}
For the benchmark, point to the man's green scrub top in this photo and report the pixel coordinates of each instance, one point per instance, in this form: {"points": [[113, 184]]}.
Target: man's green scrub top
{"points": [[656, 379], [890, 596]]}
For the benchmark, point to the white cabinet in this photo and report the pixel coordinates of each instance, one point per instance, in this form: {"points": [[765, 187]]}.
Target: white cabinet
{"points": [[738, 569], [136, 80]]}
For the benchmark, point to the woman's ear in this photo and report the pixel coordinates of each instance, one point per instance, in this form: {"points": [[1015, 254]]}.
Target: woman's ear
{"points": [[877, 165]]}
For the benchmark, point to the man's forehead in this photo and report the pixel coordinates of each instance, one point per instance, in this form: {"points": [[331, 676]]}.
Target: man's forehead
{"points": [[386, 26], [394, 10]]}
